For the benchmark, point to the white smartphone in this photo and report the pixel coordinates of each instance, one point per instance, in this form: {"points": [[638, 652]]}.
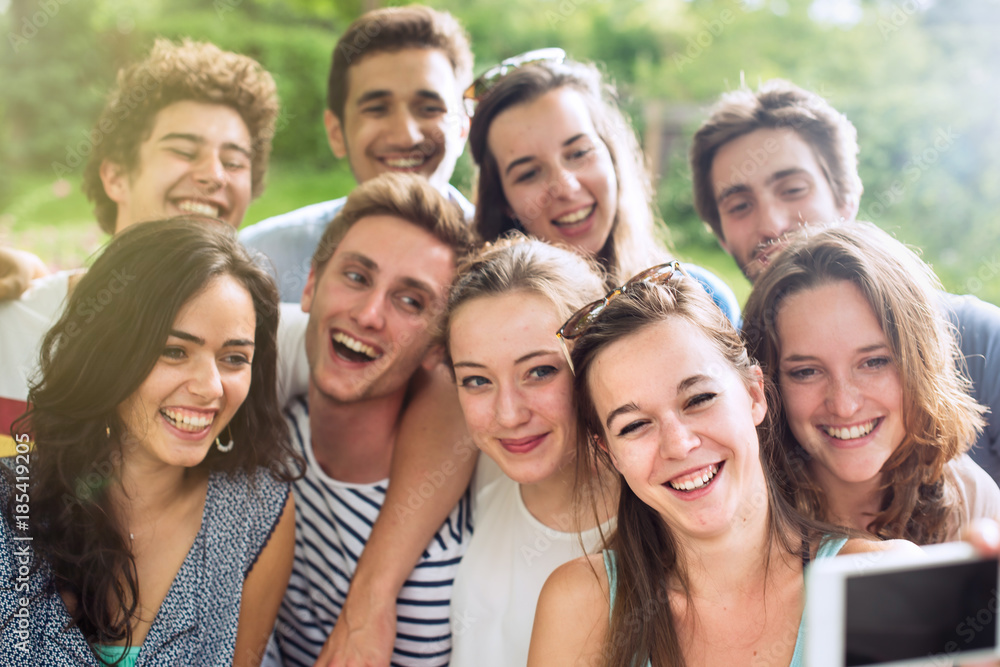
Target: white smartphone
{"points": [[890, 609]]}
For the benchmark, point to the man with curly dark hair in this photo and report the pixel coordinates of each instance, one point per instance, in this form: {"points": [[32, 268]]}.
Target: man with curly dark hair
{"points": [[185, 131]]}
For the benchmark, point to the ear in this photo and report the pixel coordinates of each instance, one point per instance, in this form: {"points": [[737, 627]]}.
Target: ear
{"points": [[310, 290], [758, 400], [849, 211], [335, 134], [466, 124], [115, 180], [433, 357]]}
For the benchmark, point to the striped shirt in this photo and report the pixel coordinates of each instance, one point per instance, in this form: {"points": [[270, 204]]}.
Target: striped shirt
{"points": [[332, 522]]}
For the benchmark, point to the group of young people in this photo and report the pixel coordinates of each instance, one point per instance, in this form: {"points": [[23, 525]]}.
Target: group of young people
{"points": [[512, 433]]}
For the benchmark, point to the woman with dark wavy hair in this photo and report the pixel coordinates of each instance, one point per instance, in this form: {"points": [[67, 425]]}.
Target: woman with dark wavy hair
{"points": [[875, 414], [559, 161], [155, 500]]}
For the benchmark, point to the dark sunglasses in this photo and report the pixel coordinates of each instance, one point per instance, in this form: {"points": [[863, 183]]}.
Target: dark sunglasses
{"points": [[583, 318], [488, 79]]}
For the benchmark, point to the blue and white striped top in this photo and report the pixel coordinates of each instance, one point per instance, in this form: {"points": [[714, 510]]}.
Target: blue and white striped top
{"points": [[333, 520]]}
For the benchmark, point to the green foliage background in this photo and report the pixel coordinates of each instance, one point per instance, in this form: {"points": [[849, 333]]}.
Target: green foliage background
{"points": [[908, 73]]}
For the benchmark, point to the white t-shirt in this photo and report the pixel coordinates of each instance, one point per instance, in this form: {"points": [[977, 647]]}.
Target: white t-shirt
{"points": [[496, 589], [23, 324], [978, 494]]}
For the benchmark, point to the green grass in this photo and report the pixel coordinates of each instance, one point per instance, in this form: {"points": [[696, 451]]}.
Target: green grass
{"points": [[55, 221]]}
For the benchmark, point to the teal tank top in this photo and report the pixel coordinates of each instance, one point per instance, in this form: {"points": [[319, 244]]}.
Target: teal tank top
{"points": [[829, 547], [111, 653]]}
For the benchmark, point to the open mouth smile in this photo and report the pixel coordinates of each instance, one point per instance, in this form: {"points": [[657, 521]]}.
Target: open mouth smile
{"points": [[352, 349], [853, 432], [574, 218], [695, 480], [190, 421], [198, 207]]}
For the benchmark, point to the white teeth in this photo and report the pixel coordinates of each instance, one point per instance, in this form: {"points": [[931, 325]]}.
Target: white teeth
{"points": [[576, 216], [355, 345], [200, 208], [696, 481], [187, 421], [851, 433], [404, 163]]}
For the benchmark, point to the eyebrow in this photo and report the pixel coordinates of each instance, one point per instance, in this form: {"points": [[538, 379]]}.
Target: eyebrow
{"points": [[371, 265], [527, 158], [773, 178], [232, 342], [378, 94], [795, 358], [200, 140], [682, 386], [520, 360], [628, 407]]}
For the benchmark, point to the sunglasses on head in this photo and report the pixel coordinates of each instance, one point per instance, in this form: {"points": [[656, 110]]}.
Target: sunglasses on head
{"points": [[488, 79], [583, 318]]}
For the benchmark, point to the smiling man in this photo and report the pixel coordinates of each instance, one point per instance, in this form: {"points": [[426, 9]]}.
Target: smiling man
{"points": [[185, 131], [769, 162], [393, 105], [375, 296]]}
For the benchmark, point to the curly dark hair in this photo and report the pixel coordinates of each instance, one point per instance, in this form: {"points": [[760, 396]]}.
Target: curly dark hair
{"points": [[103, 347], [195, 71]]}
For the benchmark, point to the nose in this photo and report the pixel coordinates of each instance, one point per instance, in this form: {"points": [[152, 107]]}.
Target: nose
{"points": [[209, 172], [404, 130], [774, 220], [564, 183], [206, 382], [369, 311], [511, 410], [676, 438], [843, 397]]}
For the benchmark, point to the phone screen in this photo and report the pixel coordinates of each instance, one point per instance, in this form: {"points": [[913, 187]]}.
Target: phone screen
{"points": [[934, 613]]}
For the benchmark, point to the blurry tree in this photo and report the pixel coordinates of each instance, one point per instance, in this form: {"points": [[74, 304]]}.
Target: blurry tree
{"points": [[915, 76]]}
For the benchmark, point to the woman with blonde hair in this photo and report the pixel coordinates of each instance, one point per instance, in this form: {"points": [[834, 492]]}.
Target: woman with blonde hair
{"points": [[875, 414], [515, 387]]}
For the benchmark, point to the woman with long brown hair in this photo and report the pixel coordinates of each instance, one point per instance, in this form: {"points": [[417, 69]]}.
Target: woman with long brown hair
{"points": [[155, 499], [706, 566], [874, 413]]}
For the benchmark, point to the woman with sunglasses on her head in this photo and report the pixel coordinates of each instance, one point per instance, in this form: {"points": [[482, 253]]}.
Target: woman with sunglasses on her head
{"points": [[706, 566], [515, 386], [159, 526], [875, 416], [558, 159]]}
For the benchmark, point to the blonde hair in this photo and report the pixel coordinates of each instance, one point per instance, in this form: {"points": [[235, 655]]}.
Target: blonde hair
{"points": [[940, 418]]}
